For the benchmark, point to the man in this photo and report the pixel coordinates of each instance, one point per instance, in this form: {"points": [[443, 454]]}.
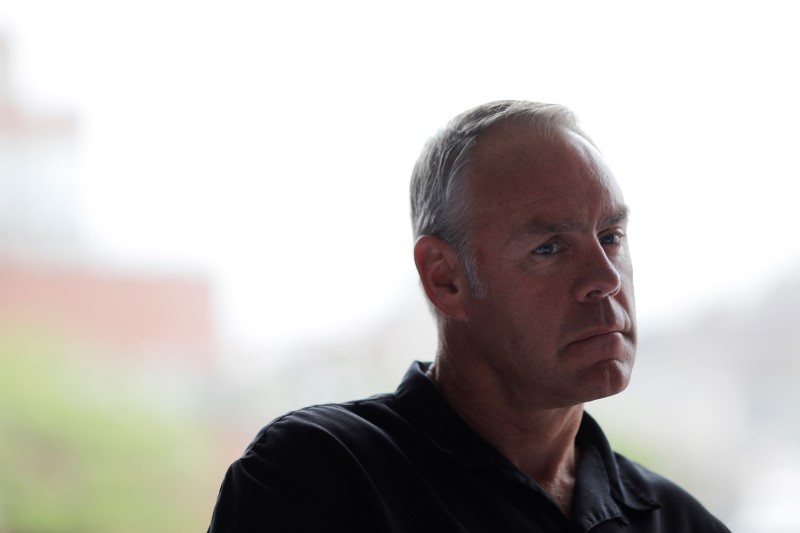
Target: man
{"points": [[522, 252]]}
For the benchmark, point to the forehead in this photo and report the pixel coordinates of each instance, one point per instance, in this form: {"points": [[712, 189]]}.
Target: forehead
{"points": [[517, 172]]}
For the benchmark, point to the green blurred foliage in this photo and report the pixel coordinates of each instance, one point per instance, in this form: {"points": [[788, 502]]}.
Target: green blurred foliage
{"points": [[82, 450]]}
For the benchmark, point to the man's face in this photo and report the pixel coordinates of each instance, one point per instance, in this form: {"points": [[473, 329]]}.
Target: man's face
{"points": [[547, 230]]}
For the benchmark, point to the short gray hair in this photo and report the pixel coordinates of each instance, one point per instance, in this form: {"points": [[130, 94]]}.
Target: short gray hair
{"points": [[438, 202]]}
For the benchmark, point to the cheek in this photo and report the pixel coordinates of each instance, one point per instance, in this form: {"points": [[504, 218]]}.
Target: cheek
{"points": [[536, 317], [629, 297], [625, 267], [625, 271]]}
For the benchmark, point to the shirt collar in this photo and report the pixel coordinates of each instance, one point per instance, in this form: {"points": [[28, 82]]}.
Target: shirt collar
{"points": [[600, 484], [421, 402], [624, 485]]}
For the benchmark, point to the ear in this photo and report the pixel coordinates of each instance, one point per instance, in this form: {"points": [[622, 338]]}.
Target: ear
{"points": [[442, 278]]}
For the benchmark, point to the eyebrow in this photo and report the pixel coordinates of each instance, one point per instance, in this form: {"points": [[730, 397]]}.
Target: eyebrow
{"points": [[541, 226]]}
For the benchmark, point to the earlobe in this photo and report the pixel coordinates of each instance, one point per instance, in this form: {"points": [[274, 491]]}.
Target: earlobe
{"points": [[440, 272]]}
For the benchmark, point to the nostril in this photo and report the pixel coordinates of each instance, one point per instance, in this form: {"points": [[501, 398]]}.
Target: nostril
{"points": [[600, 283]]}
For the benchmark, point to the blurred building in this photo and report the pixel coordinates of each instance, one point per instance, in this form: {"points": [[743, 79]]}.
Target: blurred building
{"points": [[135, 315], [48, 281]]}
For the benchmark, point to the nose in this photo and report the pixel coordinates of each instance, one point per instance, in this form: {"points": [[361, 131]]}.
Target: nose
{"points": [[598, 276]]}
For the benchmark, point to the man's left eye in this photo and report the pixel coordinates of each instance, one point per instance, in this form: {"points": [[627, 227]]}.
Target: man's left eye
{"points": [[610, 238]]}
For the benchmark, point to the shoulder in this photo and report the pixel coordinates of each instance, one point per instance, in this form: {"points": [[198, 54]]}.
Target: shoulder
{"points": [[679, 510], [641, 480], [306, 459], [316, 433], [327, 423]]}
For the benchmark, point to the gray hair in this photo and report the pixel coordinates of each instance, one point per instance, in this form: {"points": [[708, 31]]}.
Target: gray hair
{"points": [[438, 202]]}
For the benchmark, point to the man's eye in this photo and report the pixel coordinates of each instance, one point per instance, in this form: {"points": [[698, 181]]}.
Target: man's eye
{"points": [[610, 238], [546, 249]]}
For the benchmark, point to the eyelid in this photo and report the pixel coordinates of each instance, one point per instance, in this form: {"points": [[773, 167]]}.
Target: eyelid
{"points": [[619, 233], [619, 230], [553, 243], [555, 246]]}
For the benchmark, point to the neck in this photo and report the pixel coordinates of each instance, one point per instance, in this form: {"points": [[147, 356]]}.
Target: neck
{"points": [[540, 441]]}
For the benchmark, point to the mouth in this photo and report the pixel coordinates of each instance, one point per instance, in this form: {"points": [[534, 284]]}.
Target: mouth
{"points": [[600, 331]]}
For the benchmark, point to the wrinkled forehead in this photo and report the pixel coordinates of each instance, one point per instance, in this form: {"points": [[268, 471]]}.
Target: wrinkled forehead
{"points": [[517, 141], [515, 146], [514, 165]]}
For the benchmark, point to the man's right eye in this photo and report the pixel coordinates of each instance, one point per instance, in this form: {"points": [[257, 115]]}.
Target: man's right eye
{"points": [[546, 249]]}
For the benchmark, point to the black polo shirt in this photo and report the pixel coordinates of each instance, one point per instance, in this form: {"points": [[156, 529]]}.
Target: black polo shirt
{"points": [[406, 462]]}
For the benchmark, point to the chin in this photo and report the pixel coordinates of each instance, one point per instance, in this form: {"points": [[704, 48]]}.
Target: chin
{"points": [[606, 378]]}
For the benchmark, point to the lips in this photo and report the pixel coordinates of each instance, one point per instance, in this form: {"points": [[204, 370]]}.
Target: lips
{"points": [[600, 330]]}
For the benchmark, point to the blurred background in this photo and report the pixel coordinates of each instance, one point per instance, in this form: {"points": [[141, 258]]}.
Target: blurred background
{"points": [[204, 224]]}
